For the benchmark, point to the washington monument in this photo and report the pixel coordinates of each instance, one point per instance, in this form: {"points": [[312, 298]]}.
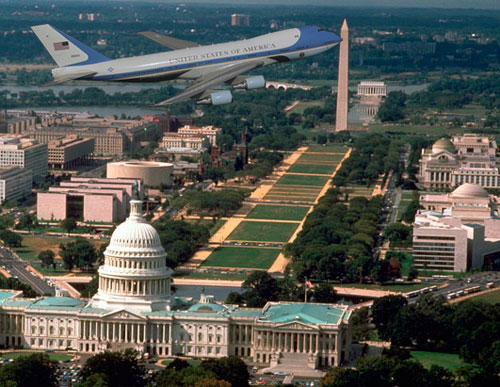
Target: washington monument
{"points": [[343, 80]]}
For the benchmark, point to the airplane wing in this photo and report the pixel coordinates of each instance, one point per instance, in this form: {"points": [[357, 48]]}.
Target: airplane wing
{"points": [[167, 41], [69, 77], [210, 80]]}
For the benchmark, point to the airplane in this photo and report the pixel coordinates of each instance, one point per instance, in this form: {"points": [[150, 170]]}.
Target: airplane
{"points": [[209, 66]]}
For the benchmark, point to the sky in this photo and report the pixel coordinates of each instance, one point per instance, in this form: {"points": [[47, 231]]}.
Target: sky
{"points": [[475, 4]]}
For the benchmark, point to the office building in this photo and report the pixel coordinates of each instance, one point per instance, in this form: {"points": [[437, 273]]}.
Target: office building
{"points": [[69, 152], [87, 199], [25, 153], [15, 183], [456, 231], [238, 19]]}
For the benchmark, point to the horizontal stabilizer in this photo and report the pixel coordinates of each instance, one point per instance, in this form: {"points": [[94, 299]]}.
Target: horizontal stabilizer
{"points": [[69, 77], [167, 41]]}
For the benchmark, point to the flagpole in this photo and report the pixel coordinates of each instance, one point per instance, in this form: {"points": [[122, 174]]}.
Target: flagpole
{"points": [[305, 291]]}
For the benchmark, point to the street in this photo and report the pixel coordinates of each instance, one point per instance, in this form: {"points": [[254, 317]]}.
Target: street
{"points": [[17, 269]]}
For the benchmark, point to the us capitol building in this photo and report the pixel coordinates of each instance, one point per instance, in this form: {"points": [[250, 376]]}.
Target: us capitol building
{"points": [[134, 308]]}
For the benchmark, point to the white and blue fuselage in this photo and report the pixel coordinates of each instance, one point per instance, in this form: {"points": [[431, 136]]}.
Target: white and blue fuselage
{"points": [[194, 62]]}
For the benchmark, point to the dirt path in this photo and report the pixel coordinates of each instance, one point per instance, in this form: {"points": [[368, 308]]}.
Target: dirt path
{"points": [[290, 107]]}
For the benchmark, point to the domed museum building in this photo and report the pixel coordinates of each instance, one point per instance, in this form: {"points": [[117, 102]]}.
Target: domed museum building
{"points": [[134, 308]]}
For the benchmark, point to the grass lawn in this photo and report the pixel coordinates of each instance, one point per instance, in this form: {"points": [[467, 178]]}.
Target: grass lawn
{"points": [[406, 264], [52, 356], [323, 158], [263, 231], [290, 199], [490, 298], [403, 204], [278, 212], [450, 361], [328, 148], [32, 245], [407, 195], [287, 179], [246, 257], [325, 169]]}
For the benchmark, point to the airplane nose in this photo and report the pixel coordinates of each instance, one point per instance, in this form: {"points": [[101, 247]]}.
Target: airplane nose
{"points": [[333, 37]]}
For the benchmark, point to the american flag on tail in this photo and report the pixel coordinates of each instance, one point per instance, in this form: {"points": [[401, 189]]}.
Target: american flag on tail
{"points": [[61, 46]]}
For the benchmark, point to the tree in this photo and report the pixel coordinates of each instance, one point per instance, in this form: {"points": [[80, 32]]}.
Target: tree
{"points": [[393, 108], [119, 369], [6, 221], [261, 288], [412, 273], [235, 298], [91, 288], [340, 377], [46, 257], [384, 311], [212, 382], [231, 368], [11, 239], [26, 221], [361, 327], [324, 293], [69, 224], [28, 371], [79, 253], [398, 233], [380, 272]]}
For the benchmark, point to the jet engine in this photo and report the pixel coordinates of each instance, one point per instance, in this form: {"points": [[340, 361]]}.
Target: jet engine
{"points": [[250, 83], [217, 98]]}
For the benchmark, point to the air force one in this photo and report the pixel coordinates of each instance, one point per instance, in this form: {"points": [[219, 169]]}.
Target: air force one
{"points": [[208, 66]]}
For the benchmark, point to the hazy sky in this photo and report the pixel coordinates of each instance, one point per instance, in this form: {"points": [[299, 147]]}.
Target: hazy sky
{"points": [[477, 4]]}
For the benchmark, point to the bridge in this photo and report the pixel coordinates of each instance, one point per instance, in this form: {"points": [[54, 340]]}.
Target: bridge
{"points": [[285, 86]]}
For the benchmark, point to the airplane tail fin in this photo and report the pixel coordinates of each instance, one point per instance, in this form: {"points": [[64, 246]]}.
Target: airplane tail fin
{"points": [[65, 50]]}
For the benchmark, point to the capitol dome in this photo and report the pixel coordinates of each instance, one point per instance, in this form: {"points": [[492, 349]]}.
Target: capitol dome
{"points": [[471, 191], [443, 144], [134, 275]]}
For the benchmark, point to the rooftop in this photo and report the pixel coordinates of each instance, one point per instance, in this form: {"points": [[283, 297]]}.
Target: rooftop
{"points": [[301, 312]]}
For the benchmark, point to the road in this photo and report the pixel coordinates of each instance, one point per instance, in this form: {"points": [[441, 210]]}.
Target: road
{"points": [[477, 279], [17, 268]]}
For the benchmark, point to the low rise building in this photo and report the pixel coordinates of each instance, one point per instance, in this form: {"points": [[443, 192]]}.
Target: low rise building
{"points": [[152, 173], [15, 183], [210, 132], [69, 152], [87, 199], [111, 137], [176, 140], [177, 154], [25, 153]]}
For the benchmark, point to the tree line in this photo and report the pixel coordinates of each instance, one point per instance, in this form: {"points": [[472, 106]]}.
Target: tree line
{"points": [[470, 329]]}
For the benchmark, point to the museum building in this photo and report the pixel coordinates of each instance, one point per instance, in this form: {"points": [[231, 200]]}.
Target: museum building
{"points": [[134, 308], [463, 159]]}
